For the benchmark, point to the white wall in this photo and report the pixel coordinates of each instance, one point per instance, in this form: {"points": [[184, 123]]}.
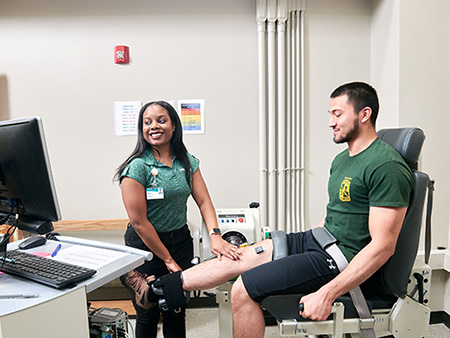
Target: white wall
{"points": [[56, 61], [385, 59], [424, 101], [337, 50], [411, 68], [59, 64]]}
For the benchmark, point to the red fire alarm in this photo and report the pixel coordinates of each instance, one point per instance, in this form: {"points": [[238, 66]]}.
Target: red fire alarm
{"points": [[121, 54]]}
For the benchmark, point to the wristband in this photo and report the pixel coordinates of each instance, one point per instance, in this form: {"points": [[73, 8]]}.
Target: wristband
{"points": [[214, 231]]}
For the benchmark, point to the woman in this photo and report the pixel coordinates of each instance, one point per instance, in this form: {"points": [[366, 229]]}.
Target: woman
{"points": [[156, 181]]}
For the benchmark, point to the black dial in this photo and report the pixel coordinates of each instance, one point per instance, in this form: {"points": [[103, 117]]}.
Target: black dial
{"points": [[235, 238]]}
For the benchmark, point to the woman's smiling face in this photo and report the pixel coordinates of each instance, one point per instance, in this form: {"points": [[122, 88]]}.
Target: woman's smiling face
{"points": [[157, 126]]}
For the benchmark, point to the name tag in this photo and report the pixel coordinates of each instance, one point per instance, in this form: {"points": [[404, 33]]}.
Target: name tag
{"points": [[155, 193]]}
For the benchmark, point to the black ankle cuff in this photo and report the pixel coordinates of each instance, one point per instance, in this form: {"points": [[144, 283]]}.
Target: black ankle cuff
{"points": [[172, 290]]}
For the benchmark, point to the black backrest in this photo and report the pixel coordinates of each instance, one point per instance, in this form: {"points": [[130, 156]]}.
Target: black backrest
{"points": [[395, 273]]}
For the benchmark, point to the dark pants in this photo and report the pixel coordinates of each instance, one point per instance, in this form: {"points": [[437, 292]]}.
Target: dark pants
{"points": [[179, 244]]}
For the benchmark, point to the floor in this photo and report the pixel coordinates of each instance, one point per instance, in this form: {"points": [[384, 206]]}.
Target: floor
{"points": [[204, 323]]}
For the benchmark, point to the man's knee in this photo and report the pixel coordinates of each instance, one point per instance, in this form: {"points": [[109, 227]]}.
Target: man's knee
{"points": [[239, 293]]}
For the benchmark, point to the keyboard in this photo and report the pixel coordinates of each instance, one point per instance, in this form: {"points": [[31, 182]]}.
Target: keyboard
{"points": [[44, 270]]}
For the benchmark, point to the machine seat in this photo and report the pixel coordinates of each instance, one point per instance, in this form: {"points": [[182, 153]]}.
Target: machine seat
{"points": [[286, 306], [389, 284]]}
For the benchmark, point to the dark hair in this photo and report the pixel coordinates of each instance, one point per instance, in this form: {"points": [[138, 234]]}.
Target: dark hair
{"points": [[176, 143], [361, 95]]}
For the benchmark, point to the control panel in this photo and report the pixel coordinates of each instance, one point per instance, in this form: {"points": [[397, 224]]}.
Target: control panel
{"points": [[238, 227], [231, 218]]}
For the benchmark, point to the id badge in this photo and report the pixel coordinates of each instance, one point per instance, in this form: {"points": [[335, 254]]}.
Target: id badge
{"points": [[155, 193]]}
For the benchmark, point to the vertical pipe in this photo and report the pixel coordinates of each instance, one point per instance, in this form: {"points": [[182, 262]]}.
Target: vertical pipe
{"points": [[294, 148], [298, 121], [288, 123], [271, 110], [281, 104], [302, 113], [281, 113], [261, 10]]}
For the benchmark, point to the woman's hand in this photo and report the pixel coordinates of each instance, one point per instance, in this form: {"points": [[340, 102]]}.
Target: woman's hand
{"points": [[172, 266], [220, 247]]}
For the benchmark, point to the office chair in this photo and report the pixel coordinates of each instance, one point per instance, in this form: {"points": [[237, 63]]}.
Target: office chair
{"points": [[397, 294]]}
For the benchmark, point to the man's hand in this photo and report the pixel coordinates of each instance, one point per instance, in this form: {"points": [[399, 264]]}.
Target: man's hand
{"points": [[316, 306]]}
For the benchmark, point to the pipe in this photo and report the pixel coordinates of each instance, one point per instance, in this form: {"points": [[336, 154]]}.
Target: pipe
{"points": [[261, 26], [271, 111], [302, 114], [281, 132], [294, 148], [288, 227], [281, 113], [298, 122]]}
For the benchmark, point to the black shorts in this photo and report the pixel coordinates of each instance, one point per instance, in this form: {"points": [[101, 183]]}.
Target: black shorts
{"points": [[305, 270]]}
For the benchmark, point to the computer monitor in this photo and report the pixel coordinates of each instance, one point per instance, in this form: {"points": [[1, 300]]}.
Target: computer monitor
{"points": [[27, 192]]}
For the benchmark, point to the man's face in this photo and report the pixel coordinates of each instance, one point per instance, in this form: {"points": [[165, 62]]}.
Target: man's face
{"points": [[343, 120]]}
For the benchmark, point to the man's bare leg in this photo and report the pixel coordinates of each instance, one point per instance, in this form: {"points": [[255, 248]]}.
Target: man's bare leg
{"points": [[173, 287], [215, 272], [248, 318]]}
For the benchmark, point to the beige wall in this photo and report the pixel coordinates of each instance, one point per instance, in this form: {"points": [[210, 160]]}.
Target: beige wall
{"points": [[337, 50], [57, 62], [411, 68]]}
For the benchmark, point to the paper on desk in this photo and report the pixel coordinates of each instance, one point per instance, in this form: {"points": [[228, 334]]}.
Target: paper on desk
{"points": [[87, 256]]}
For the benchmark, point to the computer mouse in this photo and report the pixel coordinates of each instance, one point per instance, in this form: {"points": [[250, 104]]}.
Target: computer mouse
{"points": [[32, 242]]}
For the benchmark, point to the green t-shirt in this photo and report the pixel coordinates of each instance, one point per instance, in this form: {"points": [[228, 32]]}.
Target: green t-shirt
{"points": [[376, 177], [167, 213]]}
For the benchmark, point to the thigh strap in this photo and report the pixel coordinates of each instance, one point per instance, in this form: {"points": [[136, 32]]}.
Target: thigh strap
{"points": [[279, 243]]}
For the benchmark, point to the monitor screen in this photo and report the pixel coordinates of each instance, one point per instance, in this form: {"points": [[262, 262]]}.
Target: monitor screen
{"points": [[27, 192]]}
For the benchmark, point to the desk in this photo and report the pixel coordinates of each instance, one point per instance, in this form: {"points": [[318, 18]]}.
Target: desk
{"points": [[55, 313]]}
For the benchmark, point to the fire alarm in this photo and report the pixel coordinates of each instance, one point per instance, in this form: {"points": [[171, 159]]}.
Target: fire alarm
{"points": [[121, 54]]}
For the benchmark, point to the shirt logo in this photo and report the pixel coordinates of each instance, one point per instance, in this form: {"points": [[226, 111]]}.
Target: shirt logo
{"points": [[344, 191]]}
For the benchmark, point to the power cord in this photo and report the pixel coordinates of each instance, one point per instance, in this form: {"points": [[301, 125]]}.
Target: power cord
{"points": [[5, 239], [52, 236]]}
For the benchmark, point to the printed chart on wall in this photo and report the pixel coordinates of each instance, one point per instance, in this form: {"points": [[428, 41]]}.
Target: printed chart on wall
{"points": [[192, 114], [126, 116]]}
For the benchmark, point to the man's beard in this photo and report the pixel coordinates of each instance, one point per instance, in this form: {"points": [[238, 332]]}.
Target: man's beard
{"points": [[350, 134]]}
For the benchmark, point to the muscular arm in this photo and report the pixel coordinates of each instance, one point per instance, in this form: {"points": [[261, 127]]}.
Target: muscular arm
{"points": [[134, 199], [384, 226], [203, 200], [321, 222]]}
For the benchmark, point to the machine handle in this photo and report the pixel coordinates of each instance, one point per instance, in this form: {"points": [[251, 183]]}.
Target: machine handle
{"points": [[419, 279], [301, 307]]}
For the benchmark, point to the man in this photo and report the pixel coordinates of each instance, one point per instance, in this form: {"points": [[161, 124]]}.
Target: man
{"points": [[369, 189]]}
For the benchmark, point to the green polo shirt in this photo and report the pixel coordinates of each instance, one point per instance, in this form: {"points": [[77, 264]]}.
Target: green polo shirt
{"points": [[167, 213]]}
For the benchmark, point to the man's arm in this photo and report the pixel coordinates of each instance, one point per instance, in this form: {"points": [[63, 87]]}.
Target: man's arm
{"points": [[321, 222], [384, 226]]}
